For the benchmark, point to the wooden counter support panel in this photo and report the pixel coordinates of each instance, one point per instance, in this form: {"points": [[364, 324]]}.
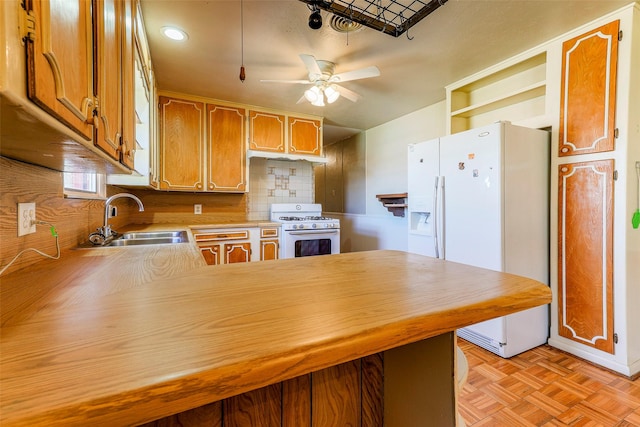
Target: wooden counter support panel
{"points": [[419, 387]]}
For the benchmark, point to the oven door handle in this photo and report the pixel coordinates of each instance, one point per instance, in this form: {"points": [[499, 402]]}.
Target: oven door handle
{"points": [[297, 233]]}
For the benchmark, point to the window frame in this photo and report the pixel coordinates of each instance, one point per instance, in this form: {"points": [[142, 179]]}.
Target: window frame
{"points": [[78, 193]]}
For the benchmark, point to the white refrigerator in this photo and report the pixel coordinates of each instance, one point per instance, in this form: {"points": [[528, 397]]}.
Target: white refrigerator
{"points": [[481, 197]]}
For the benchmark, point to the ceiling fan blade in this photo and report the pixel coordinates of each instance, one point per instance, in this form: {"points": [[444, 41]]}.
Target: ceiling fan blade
{"points": [[312, 66], [304, 82], [362, 73], [349, 94]]}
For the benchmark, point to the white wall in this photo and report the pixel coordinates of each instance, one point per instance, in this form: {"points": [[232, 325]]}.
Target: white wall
{"points": [[386, 172]]}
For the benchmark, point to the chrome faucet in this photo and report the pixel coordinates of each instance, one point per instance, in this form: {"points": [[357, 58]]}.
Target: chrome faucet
{"points": [[105, 233]]}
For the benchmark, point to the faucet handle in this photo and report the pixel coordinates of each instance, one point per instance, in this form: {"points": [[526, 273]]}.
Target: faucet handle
{"points": [[97, 238]]}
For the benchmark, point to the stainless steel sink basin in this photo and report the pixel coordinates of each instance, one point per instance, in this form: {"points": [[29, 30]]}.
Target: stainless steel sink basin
{"points": [[146, 241], [140, 238], [135, 235]]}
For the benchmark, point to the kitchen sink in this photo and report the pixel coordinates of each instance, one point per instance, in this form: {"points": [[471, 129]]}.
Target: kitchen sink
{"points": [[141, 238], [139, 235]]}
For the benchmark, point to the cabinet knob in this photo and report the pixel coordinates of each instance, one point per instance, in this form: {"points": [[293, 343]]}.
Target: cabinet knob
{"points": [[199, 186], [565, 150]]}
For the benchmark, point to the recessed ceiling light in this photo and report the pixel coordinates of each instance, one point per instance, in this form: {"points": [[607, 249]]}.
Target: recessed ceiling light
{"points": [[174, 33]]}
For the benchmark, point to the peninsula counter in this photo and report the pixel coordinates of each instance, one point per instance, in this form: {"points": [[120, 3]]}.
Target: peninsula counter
{"points": [[207, 334]]}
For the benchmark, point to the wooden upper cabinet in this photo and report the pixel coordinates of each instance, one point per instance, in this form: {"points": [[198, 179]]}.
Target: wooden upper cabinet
{"points": [[60, 62], [113, 79], [305, 136], [128, 141], [588, 91], [108, 121], [181, 144], [585, 253], [226, 166], [266, 132]]}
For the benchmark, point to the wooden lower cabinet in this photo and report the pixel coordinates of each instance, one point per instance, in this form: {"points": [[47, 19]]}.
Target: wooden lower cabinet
{"points": [[269, 250], [585, 253], [269, 243], [211, 254], [232, 245], [237, 252], [226, 246]]}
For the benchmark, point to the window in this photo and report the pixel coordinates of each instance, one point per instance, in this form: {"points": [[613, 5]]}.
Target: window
{"points": [[84, 185]]}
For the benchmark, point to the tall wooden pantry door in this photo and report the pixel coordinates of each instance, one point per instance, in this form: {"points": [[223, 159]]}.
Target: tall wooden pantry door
{"points": [[585, 188]]}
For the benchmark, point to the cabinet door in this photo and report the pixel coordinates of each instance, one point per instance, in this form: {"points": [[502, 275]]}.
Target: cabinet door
{"points": [[266, 132], [108, 76], [268, 250], [128, 148], [237, 252], [60, 62], [181, 144], [305, 136], [585, 253], [588, 91], [226, 168], [211, 254]]}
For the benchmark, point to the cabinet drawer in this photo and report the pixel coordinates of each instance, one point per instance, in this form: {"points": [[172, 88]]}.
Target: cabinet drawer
{"points": [[222, 235], [269, 232]]}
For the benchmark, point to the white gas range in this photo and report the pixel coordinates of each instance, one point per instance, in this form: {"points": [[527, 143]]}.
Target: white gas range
{"points": [[305, 232]]}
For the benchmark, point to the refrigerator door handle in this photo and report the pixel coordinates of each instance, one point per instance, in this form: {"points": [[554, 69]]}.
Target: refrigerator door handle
{"points": [[436, 244], [441, 223]]}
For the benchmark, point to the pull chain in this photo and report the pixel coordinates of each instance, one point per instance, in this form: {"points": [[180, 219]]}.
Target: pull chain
{"points": [[242, 74]]}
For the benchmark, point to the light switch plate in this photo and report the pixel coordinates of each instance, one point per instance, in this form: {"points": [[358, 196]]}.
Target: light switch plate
{"points": [[197, 209], [26, 218]]}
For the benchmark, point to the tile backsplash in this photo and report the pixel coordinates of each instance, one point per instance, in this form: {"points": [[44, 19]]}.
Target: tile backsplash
{"points": [[278, 181]]}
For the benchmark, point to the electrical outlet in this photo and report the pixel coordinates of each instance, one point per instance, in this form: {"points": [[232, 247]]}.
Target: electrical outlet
{"points": [[26, 218], [197, 209]]}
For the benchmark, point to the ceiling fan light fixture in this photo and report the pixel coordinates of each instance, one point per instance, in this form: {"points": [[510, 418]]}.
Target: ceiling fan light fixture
{"points": [[332, 94], [319, 102], [313, 94]]}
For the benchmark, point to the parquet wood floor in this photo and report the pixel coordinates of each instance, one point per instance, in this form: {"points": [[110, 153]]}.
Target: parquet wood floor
{"points": [[544, 387]]}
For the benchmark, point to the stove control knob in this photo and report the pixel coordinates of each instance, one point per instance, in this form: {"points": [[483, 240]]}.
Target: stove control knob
{"points": [[295, 227], [301, 226], [314, 226]]}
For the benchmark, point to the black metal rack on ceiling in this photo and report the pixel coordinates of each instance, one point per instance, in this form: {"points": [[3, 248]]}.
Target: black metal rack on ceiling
{"points": [[393, 17]]}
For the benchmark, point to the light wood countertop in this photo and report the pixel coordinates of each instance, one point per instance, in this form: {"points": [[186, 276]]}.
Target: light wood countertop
{"points": [[142, 338]]}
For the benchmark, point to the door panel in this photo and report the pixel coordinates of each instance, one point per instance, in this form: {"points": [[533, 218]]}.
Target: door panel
{"points": [[181, 144], [585, 253], [588, 91], [227, 150], [60, 62], [108, 30]]}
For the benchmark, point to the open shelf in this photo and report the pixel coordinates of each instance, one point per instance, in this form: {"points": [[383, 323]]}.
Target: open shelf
{"points": [[509, 93], [395, 203]]}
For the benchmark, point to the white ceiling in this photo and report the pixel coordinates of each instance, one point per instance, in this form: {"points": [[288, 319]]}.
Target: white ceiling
{"points": [[457, 40]]}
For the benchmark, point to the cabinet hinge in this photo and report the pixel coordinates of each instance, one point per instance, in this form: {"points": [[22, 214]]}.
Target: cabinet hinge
{"points": [[615, 338], [620, 35], [616, 132], [28, 24], [615, 175]]}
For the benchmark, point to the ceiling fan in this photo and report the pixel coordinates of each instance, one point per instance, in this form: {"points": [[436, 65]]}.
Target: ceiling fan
{"points": [[324, 81]]}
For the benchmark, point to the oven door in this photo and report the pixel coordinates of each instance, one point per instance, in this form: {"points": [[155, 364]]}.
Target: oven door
{"points": [[301, 243]]}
